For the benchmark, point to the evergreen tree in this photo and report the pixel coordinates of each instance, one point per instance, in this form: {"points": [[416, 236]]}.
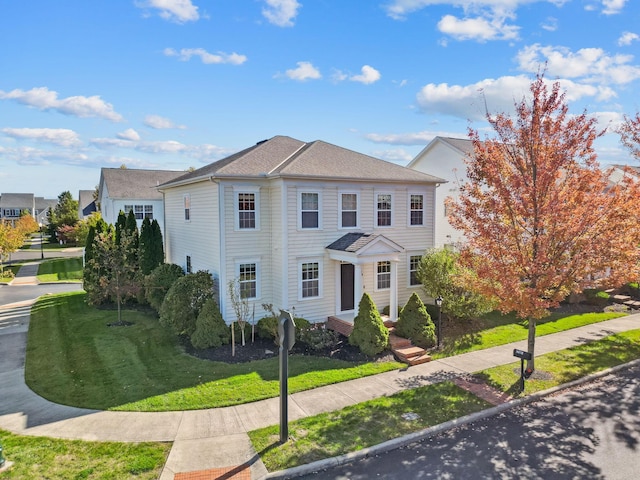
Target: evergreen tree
{"points": [[415, 323], [369, 333], [211, 329], [121, 223], [157, 243], [145, 248]]}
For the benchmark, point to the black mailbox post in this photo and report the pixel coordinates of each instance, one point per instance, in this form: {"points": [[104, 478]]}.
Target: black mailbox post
{"points": [[522, 355], [287, 334]]}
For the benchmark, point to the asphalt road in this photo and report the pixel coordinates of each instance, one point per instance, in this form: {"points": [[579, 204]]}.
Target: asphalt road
{"points": [[589, 432]]}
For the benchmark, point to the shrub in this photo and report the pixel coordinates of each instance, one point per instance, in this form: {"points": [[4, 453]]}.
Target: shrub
{"points": [[317, 338], [158, 283], [415, 323], [211, 329], [369, 333], [184, 300], [302, 325], [596, 297], [267, 329]]}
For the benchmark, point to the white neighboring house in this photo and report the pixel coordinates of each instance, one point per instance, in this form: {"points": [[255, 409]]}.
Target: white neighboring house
{"points": [[304, 226], [444, 157], [125, 189]]}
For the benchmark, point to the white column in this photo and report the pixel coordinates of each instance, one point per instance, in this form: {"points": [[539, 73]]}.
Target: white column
{"points": [[357, 286], [393, 300]]}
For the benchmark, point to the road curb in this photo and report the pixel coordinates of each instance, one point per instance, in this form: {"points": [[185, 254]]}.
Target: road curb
{"points": [[405, 440]]}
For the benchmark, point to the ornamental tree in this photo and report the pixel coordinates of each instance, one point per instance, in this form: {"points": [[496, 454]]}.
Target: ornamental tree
{"points": [[630, 134], [541, 219]]}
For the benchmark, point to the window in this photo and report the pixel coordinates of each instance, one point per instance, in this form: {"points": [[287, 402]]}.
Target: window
{"points": [[384, 275], [416, 209], [148, 212], [349, 208], [188, 269], [140, 211], [414, 261], [246, 210], [137, 210], [310, 279], [248, 280], [384, 210], [309, 210], [127, 209], [187, 207]]}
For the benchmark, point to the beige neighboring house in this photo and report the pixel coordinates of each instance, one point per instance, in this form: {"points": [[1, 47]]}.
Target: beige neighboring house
{"points": [[125, 189], [444, 158], [12, 204], [304, 226]]}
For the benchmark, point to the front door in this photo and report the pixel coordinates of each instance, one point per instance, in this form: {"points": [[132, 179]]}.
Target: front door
{"points": [[346, 286]]}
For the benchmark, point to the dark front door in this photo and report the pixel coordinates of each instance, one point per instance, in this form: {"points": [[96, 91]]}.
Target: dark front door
{"points": [[346, 286]]}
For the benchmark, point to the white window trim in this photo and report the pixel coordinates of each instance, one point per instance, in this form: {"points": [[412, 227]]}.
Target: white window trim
{"points": [[375, 276], [256, 261], [237, 190], [299, 212], [188, 263], [317, 260], [186, 198], [349, 192], [409, 255], [424, 209], [375, 200]]}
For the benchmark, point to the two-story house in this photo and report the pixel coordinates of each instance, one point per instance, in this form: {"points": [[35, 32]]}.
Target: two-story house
{"points": [[128, 189], [310, 226], [13, 204]]}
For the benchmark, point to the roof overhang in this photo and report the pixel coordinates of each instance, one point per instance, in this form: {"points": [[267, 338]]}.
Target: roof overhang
{"points": [[362, 248]]}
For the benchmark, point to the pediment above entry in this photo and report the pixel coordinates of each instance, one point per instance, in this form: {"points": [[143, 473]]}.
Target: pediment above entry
{"points": [[362, 248]]}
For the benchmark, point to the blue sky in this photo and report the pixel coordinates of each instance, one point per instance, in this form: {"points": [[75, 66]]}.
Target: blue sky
{"points": [[173, 84]]}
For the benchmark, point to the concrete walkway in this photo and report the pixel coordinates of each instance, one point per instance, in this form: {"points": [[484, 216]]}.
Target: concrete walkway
{"points": [[217, 438]]}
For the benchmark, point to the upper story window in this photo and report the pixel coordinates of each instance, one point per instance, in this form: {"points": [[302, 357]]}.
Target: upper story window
{"points": [[188, 268], [247, 209], [138, 211], [309, 279], [349, 210], [309, 210], [383, 209], [416, 209], [148, 212], [414, 262], [187, 206], [384, 275]]}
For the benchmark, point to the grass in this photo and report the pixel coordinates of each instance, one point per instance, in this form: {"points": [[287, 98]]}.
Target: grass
{"points": [[363, 425], [42, 457], [564, 366], [75, 358], [14, 267], [60, 270], [497, 329]]}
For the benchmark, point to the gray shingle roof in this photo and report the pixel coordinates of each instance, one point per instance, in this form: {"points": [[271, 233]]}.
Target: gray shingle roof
{"points": [[17, 200], [136, 184], [352, 242], [463, 144], [283, 156]]}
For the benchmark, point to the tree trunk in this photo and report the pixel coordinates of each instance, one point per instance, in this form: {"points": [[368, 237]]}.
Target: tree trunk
{"points": [[531, 343], [233, 340]]}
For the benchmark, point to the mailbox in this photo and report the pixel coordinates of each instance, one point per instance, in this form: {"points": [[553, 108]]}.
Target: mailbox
{"points": [[524, 355], [286, 329]]}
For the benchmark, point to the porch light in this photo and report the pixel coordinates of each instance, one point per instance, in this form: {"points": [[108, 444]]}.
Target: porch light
{"points": [[438, 301]]}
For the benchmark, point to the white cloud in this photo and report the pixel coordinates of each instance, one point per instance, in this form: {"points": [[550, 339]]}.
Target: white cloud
{"points": [[185, 54], [412, 138], [612, 7], [550, 24], [397, 155], [281, 12], [160, 123], [627, 38], [479, 28], [304, 71], [592, 65], [369, 75], [178, 11], [129, 134], [58, 136], [494, 95], [44, 99], [34, 156], [400, 9]]}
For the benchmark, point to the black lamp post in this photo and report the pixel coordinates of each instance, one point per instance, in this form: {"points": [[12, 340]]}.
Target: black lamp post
{"points": [[439, 305], [41, 241]]}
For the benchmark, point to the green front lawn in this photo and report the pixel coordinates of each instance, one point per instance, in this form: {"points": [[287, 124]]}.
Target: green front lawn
{"points": [[75, 358], [14, 267], [496, 329], [564, 366], [60, 270], [50, 458], [363, 425]]}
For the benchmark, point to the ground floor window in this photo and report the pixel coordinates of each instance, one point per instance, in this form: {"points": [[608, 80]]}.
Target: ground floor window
{"points": [[384, 275], [310, 279]]}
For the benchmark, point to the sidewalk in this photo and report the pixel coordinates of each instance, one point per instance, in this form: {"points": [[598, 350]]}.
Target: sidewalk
{"points": [[213, 443]]}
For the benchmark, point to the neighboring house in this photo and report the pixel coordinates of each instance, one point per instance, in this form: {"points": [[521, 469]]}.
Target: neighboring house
{"points": [[304, 226], [86, 204], [444, 157], [12, 204], [125, 189]]}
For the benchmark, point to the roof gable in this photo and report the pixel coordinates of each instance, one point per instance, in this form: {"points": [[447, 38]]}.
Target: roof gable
{"points": [[134, 183]]}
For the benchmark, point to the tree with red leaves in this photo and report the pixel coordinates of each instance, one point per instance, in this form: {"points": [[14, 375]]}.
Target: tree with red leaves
{"points": [[541, 219], [630, 134]]}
